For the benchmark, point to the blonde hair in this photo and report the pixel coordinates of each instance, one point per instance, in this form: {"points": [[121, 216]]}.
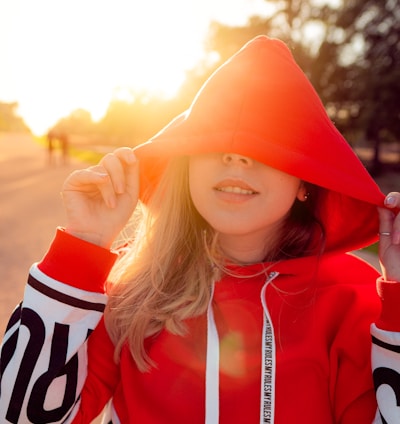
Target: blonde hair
{"points": [[166, 274]]}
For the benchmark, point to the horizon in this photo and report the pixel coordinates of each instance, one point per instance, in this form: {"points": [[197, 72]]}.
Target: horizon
{"points": [[58, 57]]}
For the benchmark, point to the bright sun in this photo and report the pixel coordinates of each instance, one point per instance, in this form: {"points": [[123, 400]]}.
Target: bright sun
{"points": [[79, 52]]}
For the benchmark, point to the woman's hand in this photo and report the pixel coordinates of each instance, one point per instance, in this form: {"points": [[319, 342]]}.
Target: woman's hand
{"points": [[389, 234], [100, 200]]}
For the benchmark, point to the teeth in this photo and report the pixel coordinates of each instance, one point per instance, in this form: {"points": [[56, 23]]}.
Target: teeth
{"points": [[237, 190]]}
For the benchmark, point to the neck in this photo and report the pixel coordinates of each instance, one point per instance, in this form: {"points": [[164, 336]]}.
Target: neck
{"points": [[247, 249]]}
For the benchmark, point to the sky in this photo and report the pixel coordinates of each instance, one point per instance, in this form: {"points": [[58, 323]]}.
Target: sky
{"points": [[57, 56]]}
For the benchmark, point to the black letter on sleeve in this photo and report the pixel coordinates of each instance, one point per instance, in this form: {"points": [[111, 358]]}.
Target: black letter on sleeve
{"points": [[34, 323], [57, 369], [391, 378]]}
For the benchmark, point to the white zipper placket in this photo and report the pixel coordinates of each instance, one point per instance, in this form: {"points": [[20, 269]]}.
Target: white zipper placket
{"points": [[267, 371], [212, 367], [267, 391]]}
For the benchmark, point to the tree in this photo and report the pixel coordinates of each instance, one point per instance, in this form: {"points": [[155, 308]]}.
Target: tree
{"points": [[9, 119], [350, 50], [377, 74], [78, 122], [133, 121], [364, 86]]}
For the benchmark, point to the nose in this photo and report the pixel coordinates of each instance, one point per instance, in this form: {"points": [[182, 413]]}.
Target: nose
{"points": [[236, 159]]}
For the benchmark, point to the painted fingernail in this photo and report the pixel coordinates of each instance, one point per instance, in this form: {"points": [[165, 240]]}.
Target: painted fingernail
{"points": [[390, 201]]}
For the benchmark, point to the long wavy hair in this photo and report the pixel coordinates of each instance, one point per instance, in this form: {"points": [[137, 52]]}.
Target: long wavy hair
{"points": [[165, 274]]}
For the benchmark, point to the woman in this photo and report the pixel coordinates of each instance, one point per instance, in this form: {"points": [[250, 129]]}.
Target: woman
{"points": [[235, 300]]}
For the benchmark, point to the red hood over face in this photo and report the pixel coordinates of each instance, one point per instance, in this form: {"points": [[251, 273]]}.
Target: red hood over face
{"points": [[260, 104]]}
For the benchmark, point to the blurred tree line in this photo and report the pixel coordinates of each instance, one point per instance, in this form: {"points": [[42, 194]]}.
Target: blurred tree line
{"points": [[350, 50], [10, 120]]}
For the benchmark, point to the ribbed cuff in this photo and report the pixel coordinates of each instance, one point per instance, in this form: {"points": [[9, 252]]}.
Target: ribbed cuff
{"points": [[77, 263], [389, 292]]}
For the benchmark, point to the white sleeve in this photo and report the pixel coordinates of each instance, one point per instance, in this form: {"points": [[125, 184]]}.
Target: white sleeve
{"points": [[43, 363], [386, 374]]}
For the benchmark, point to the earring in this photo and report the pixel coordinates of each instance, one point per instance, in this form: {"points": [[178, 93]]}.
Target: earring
{"points": [[306, 196]]}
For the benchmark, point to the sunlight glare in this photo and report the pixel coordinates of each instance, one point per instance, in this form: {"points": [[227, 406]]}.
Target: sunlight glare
{"points": [[73, 54]]}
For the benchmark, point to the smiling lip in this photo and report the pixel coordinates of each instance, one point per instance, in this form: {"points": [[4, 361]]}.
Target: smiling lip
{"points": [[235, 187]]}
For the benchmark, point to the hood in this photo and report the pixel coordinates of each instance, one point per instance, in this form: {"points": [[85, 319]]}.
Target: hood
{"points": [[260, 104]]}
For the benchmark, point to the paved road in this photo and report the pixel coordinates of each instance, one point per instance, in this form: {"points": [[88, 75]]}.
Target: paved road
{"points": [[30, 210]]}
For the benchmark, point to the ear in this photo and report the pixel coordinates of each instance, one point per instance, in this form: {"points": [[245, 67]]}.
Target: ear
{"points": [[302, 193]]}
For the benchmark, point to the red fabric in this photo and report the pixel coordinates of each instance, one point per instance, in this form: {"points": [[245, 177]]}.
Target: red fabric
{"points": [[77, 263], [321, 317], [260, 104], [389, 292], [103, 376]]}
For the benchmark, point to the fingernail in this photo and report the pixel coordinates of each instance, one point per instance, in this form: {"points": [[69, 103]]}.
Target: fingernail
{"points": [[102, 175], [390, 201], [132, 158]]}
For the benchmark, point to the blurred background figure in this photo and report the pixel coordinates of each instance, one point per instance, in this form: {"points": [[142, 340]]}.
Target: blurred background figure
{"points": [[64, 147], [50, 146], [57, 141]]}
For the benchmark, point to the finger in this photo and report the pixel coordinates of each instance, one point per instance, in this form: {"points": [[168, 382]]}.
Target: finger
{"points": [[132, 177], [117, 164], [92, 181], [130, 165], [386, 219], [113, 166], [80, 180], [392, 200], [396, 228], [126, 155], [107, 188]]}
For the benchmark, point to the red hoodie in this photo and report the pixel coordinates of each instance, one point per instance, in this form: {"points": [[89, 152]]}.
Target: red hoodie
{"points": [[291, 344]]}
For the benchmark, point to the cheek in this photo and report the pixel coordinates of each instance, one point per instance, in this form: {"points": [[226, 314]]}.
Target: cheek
{"points": [[291, 185], [195, 187], [283, 191], [200, 179]]}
